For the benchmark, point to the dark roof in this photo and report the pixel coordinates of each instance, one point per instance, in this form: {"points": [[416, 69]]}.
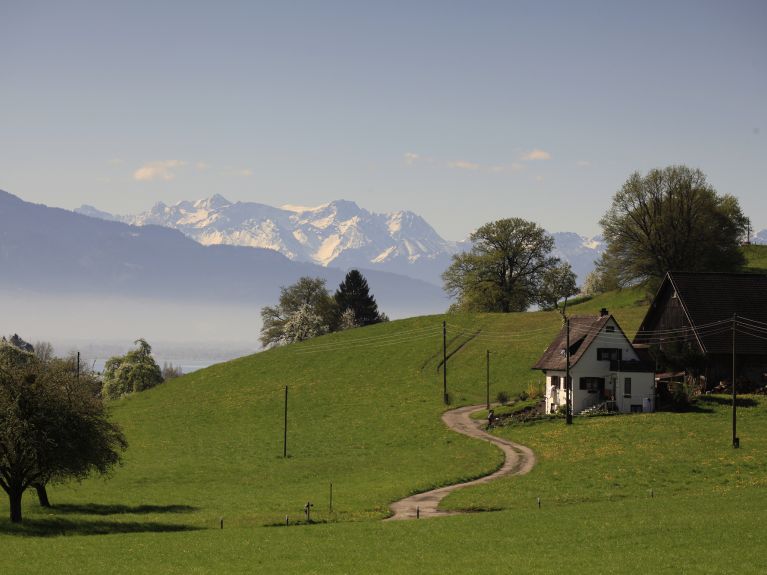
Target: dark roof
{"points": [[715, 297], [583, 330]]}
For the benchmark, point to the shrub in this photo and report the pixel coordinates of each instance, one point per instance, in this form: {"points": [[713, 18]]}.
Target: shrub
{"points": [[681, 396], [534, 391], [169, 371], [135, 371], [502, 397]]}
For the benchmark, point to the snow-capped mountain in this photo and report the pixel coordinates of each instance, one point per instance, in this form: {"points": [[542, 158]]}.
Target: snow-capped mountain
{"points": [[760, 238], [579, 251], [58, 253], [337, 234]]}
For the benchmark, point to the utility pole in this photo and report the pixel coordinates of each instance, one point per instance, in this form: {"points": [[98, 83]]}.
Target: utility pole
{"points": [[487, 361], [285, 428], [444, 362], [568, 382], [735, 439]]}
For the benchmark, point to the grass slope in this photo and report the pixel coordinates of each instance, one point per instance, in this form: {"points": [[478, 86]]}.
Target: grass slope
{"points": [[364, 410], [684, 534], [756, 258], [364, 414], [627, 457]]}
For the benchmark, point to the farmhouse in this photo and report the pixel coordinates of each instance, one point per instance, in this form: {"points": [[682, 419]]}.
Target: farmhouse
{"points": [[693, 318], [605, 369]]}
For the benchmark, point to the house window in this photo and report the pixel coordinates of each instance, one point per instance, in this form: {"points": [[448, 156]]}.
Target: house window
{"points": [[627, 387], [609, 354], [592, 384], [610, 329], [555, 381]]}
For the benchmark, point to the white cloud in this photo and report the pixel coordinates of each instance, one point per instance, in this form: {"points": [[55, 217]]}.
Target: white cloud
{"points": [[411, 158], [116, 162], [242, 172], [538, 178], [583, 164], [488, 168], [464, 165], [201, 166], [536, 154], [161, 170]]}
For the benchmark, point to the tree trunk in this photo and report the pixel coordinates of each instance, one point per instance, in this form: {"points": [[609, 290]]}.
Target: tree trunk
{"points": [[14, 495], [42, 495]]}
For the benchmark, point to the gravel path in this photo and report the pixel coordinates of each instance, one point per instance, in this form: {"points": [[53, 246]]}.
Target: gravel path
{"points": [[519, 460]]}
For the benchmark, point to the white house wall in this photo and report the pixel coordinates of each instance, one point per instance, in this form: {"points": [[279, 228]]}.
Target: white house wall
{"points": [[555, 396], [642, 384]]}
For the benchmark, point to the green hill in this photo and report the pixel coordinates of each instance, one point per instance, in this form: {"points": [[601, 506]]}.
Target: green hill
{"points": [[756, 258], [364, 409]]}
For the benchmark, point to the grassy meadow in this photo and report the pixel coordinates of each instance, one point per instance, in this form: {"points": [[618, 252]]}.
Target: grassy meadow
{"points": [[364, 414], [756, 257]]}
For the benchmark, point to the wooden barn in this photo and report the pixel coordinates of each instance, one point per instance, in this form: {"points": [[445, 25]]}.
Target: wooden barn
{"points": [[696, 315]]}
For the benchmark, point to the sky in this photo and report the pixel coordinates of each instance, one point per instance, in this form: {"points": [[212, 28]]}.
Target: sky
{"points": [[463, 112]]}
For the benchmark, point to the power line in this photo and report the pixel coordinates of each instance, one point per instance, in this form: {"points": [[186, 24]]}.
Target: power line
{"points": [[649, 336]]}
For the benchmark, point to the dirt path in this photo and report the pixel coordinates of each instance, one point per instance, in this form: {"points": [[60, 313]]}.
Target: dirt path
{"points": [[519, 460]]}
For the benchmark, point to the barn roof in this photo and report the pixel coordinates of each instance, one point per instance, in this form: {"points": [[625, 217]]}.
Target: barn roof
{"points": [[708, 298]]}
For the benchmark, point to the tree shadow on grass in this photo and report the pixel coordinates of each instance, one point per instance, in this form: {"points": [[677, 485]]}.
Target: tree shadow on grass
{"points": [[694, 407], [117, 509], [725, 400], [56, 526]]}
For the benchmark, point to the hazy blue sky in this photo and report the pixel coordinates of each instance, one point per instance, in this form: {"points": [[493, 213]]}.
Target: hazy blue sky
{"points": [[461, 111]]}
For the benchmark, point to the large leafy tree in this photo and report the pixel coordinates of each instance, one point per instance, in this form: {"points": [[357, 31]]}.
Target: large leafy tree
{"points": [[52, 428], [305, 309], [135, 371], [558, 285], [670, 219], [504, 269], [353, 297]]}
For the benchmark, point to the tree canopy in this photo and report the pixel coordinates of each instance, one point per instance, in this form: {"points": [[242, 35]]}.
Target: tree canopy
{"points": [[355, 303], [135, 371], [670, 219], [558, 283], [52, 428], [505, 268], [305, 309]]}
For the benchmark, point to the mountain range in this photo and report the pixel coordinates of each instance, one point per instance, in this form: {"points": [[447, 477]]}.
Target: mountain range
{"points": [[337, 234], [56, 251]]}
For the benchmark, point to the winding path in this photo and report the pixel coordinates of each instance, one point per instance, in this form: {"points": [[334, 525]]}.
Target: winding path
{"points": [[519, 460]]}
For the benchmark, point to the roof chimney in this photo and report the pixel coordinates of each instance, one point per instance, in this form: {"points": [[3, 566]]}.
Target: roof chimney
{"points": [[603, 312]]}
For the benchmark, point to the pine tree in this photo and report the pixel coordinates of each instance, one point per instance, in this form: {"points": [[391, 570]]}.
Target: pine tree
{"points": [[354, 294]]}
